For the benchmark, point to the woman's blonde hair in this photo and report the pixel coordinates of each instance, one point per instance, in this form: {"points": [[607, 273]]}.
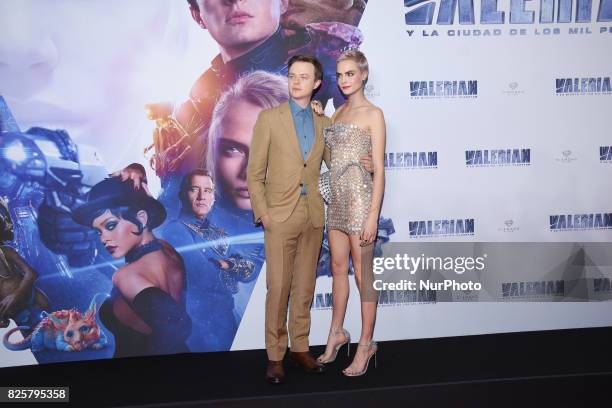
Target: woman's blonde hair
{"points": [[358, 58]]}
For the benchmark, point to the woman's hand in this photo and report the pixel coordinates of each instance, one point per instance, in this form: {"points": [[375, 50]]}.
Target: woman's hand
{"points": [[366, 162], [136, 173], [369, 231], [317, 107]]}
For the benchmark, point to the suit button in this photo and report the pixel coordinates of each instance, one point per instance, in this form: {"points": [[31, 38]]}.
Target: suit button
{"points": [[301, 184], [304, 164]]}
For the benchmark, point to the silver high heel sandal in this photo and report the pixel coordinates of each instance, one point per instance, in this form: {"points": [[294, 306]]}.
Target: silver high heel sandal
{"points": [[371, 345], [347, 336]]}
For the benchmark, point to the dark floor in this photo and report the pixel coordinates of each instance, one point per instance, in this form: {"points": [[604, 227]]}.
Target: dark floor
{"points": [[552, 368]]}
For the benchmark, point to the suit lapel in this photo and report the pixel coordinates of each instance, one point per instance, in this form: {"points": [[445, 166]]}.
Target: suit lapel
{"points": [[287, 121], [318, 136]]}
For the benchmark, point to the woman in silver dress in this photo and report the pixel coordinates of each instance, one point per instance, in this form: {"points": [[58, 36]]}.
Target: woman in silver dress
{"points": [[356, 197]]}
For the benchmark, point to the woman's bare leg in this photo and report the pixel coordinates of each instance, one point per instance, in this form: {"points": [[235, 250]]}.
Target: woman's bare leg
{"points": [[362, 258], [339, 247]]}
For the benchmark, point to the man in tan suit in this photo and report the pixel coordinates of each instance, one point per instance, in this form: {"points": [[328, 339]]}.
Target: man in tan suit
{"points": [[282, 176]]}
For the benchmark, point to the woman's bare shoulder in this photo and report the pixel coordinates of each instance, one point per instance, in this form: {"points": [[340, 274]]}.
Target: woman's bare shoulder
{"points": [[337, 112], [124, 272], [170, 254], [374, 116], [373, 110]]}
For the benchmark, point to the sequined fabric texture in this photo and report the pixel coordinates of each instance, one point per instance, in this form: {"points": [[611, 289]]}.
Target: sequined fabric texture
{"points": [[350, 183]]}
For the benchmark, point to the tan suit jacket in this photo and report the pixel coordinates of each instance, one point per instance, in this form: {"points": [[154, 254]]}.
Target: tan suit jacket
{"points": [[276, 168]]}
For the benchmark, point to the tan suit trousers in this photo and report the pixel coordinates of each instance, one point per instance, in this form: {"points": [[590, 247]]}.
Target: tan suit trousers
{"points": [[292, 253]]}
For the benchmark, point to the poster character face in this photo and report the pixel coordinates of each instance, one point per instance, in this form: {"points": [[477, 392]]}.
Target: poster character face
{"points": [[233, 152], [118, 235], [201, 195], [231, 132], [239, 25]]}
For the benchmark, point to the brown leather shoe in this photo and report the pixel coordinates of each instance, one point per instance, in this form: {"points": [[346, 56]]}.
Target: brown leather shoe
{"points": [[307, 362], [275, 373]]}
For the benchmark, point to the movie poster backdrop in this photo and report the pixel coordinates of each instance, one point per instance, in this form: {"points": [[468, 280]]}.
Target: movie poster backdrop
{"points": [[498, 149]]}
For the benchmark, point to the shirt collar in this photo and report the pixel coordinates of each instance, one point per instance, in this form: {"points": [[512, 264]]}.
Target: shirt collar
{"points": [[297, 109]]}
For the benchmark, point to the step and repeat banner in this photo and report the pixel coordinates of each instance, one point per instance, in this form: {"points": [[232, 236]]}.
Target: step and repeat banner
{"points": [[497, 214]]}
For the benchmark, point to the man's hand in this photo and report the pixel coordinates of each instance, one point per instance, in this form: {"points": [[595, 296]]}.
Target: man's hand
{"points": [[366, 162], [265, 220]]}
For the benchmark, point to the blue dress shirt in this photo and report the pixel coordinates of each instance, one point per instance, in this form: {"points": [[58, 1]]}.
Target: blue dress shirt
{"points": [[304, 129]]}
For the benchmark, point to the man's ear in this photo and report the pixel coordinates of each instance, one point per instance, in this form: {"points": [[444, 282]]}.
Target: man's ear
{"points": [[195, 14], [317, 84], [284, 5]]}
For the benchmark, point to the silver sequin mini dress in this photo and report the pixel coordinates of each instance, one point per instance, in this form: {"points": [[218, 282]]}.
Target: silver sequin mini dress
{"points": [[350, 184]]}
